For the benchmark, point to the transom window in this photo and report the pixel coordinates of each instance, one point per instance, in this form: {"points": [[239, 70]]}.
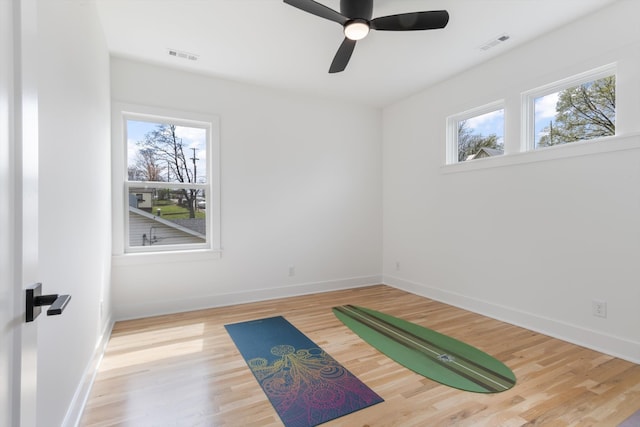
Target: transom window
{"points": [[476, 134], [579, 108]]}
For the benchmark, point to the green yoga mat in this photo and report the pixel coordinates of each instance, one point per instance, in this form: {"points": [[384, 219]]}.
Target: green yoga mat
{"points": [[427, 352]]}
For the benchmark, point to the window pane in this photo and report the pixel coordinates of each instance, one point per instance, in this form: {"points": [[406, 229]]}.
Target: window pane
{"points": [[166, 216], [481, 136], [166, 152], [578, 113]]}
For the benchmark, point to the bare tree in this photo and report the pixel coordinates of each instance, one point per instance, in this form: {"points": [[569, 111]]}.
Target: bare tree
{"points": [[470, 143], [162, 146], [148, 166], [134, 173]]}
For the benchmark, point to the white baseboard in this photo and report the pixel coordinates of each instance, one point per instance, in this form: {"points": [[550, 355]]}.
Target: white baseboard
{"points": [[74, 413], [604, 343], [156, 308]]}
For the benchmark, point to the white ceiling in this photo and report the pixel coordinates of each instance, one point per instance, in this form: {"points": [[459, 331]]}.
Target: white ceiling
{"points": [[269, 43]]}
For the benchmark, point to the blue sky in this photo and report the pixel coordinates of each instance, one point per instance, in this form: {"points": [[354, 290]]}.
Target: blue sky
{"points": [[545, 111]]}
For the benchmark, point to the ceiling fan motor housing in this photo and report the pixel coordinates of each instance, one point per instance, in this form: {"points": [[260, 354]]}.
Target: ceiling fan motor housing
{"points": [[353, 9]]}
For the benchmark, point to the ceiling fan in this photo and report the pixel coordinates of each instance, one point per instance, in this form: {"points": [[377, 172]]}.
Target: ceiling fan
{"points": [[355, 17]]}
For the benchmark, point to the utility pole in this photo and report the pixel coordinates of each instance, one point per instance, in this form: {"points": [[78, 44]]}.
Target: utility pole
{"points": [[195, 174], [194, 158]]}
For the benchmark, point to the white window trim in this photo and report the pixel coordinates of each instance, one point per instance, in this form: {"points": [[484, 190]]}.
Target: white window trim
{"points": [[629, 141], [527, 124], [122, 253], [452, 127]]}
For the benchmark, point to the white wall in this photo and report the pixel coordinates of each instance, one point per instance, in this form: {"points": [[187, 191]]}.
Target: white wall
{"points": [[75, 201], [301, 186], [534, 237]]}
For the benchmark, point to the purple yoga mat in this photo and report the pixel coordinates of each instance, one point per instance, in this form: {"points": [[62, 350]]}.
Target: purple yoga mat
{"points": [[305, 385], [632, 421]]}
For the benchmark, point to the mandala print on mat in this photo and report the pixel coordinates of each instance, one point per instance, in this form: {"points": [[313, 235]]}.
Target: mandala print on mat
{"points": [[307, 386]]}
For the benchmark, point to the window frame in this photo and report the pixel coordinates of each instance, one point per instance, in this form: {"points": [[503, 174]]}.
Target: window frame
{"points": [[527, 123], [211, 189], [452, 127]]}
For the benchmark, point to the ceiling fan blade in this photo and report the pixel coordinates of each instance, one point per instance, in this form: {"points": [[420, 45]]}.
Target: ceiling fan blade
{"points": [[343, 55], [411, 21], [318, 9]]}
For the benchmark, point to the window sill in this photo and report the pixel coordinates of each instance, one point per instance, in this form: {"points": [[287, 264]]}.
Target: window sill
{"points": [[165, 257], [582, 148]]}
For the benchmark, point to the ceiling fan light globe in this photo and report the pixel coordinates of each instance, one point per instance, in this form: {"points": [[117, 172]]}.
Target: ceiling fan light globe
{"points": [[356, 30]]}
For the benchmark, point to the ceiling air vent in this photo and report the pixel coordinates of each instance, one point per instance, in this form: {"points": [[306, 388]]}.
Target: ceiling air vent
{"points": [[495, 41], [182, 54]]}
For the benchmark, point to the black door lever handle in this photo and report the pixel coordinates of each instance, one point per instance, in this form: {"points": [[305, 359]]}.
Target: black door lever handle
{"points": [[35, 300], [57, 302]]}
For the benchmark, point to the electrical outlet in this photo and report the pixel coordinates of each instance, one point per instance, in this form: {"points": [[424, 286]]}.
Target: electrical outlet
{"points": [[292, 270], [599, 308], [397, 265]]}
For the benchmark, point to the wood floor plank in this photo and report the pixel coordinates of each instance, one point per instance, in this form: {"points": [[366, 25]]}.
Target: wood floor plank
{"points": [[184, 370]]}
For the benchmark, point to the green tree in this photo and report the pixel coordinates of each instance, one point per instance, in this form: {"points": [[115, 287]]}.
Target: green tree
{"points": [[470, 143], [163, 146], [583, 112]]}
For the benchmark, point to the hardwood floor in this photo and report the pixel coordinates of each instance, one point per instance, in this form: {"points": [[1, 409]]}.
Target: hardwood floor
{"points": [[184, 370]]}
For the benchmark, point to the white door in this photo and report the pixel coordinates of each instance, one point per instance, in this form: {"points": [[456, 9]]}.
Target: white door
{"points": [[6, 246], [18, 209]]}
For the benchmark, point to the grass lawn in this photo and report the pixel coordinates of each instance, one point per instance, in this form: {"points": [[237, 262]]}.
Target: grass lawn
{"points": [[172, 211]]}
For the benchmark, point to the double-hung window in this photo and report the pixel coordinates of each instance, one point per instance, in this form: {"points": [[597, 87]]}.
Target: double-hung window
{"points": [[171, 192]]}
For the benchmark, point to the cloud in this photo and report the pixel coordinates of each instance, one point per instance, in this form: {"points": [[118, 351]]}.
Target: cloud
{"points": [[481, 120], [194, 137], [491, 123], [545, 106]]}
